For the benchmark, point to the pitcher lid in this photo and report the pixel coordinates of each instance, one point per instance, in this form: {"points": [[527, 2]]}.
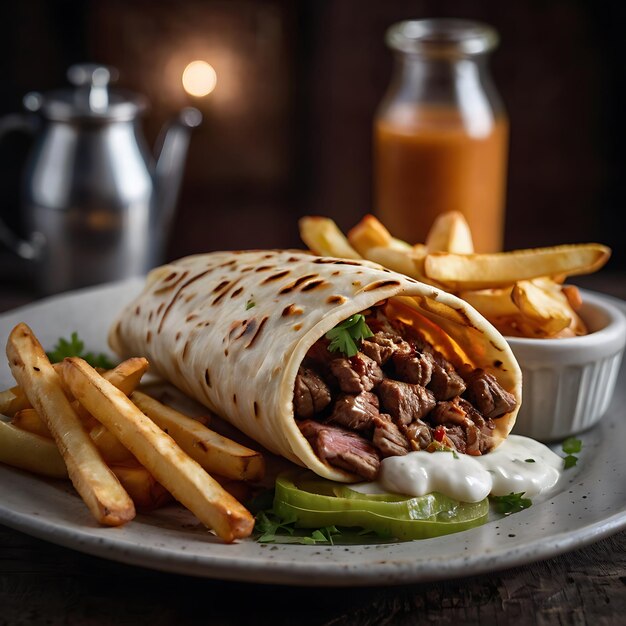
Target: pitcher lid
{"points": [[90, 100]]}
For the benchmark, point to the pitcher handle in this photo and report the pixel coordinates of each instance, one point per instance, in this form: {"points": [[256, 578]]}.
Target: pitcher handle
{"points": [[31, 249]]}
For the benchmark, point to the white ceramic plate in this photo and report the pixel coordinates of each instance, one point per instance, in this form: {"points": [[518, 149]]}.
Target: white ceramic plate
{"points": [[588, 504]]}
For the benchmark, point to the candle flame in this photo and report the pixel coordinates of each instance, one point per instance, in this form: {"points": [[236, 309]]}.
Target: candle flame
{"points": [[199, 78]]}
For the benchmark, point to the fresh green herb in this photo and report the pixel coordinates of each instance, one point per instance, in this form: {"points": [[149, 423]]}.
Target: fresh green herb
{"points": [[513, 503], [346, 336], [272, 528], [571, 446], [569, 461], [529, 460], [250, 304], [75, 347]]}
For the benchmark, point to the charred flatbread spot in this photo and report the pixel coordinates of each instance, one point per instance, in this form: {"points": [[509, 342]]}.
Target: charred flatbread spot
{"points": [[169, 277], [496, 346], [293, 259], [381, 284], [335, 299], [167, 288], [185, 349], [255, 406], [234, 398], [202, 446], [314, 284], [191, 317], [257, 333], [224, 292], [149, 336], [264, 268], [273, 277], [150, 316], [178, 336], [227, 263], [226, 352], [297, 327], [221, 286], [236, 292], [207, 377], [138, 310], [160, 308], [177, 295], [296, 283], [497, 363], [292, 309]]}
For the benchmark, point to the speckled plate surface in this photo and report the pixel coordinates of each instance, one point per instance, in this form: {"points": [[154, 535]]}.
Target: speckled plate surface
{"points": [[588, 504]]}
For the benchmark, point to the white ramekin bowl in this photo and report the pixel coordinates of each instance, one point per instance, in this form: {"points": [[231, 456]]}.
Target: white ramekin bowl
{"points": [[568, 383]]}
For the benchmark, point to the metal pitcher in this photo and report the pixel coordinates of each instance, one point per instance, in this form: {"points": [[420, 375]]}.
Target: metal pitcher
{"points": [[97, 206]]}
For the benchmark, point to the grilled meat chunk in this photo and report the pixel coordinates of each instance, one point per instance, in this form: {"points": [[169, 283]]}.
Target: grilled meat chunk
{"points": [[405, 402], [414, 367], [419, 435], [382, 346], [356, 412], [459, 413], [342, 448], [487, 395], [356, 374], [388, 439], [445, 383], [311, 394]]}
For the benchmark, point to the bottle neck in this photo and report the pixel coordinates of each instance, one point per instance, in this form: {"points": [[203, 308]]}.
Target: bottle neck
{"points": [[459, 86]]}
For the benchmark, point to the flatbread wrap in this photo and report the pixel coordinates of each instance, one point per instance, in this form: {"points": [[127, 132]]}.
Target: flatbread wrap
{"points": [[250, 335]]}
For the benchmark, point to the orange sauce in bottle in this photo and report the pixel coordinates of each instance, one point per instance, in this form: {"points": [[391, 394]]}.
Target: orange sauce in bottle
{"points": [[430, 162]]}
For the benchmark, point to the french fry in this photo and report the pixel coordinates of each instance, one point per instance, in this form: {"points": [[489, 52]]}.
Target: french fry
{"points": [[127, 375], [94, 481], [28, 451], [410, 263], [109, 446], [450, 232], [323, 237], [214, 453], [13, 400], [28, 419], [146, 492], [483, 271], [550, 310], [370, 233], [158, 452], [573, 296], [492, 303]]}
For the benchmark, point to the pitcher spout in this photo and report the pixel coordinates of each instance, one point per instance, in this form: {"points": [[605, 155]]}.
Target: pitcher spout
{"points": [[170, 163]]}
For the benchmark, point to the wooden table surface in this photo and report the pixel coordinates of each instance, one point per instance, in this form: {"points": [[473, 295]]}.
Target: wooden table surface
{"points": [[41, 583]]}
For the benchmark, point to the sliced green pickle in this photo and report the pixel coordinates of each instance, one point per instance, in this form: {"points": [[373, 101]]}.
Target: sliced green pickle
{"points": [[315, 502]]}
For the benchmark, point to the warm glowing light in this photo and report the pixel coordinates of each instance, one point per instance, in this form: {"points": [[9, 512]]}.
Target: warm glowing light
{"points": [[199, 78]]}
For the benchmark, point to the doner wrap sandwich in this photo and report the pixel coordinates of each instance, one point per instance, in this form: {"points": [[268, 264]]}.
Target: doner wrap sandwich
{"points": [[333, 364]]}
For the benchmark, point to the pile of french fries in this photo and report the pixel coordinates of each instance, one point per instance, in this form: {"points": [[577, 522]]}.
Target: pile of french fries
{"points": [[520, 292], [121, 448]]}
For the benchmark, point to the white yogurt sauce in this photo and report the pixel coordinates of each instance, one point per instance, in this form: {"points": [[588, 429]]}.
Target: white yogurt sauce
{"points": [[518, 464]]}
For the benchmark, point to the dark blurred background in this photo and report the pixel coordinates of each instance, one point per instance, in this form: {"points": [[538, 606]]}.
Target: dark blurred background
{"points": [[287, 131]]}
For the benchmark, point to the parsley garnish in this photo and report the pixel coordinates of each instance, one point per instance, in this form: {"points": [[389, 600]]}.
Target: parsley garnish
{"points": [[345, 336], [571, 446], [250, 304], [273, 529], [513, 503], [529, 460], [75, 347]]}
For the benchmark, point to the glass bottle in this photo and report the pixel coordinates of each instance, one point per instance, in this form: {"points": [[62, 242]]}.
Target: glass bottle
{"points": [[441, 132]]}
